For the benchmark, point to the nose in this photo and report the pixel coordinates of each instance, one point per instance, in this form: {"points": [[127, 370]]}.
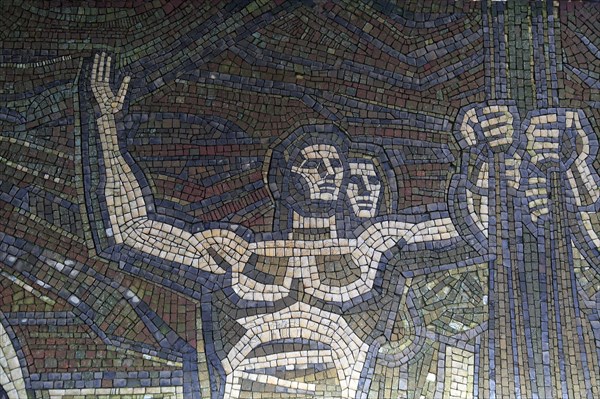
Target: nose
{"points": [[362, 187], [325, 168]]}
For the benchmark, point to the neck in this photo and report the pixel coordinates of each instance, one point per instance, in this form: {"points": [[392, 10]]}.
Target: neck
{"points": [[328, 223]]}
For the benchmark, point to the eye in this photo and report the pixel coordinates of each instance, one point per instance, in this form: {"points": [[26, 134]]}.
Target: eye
{"points": [[374, 180], [335, 163], [354, 179], [310, 164]]}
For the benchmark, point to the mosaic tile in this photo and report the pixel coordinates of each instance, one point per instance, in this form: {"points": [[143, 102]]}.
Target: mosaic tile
{"points": [[299, 199]]}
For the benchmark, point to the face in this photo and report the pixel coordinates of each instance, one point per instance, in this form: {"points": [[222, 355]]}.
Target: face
{"points": [[364, 188], [322, 170]]}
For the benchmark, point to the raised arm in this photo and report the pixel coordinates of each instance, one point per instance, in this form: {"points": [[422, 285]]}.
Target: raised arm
{"points": [[129, 220], [122, 191]]}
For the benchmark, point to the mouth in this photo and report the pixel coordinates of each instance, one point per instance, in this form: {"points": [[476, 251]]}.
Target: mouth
{"points": [[327, 188], [365, 207], [364, 203]]}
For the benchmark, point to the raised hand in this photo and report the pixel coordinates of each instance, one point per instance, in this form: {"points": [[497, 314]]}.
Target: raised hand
{"points": [[109, 102]]}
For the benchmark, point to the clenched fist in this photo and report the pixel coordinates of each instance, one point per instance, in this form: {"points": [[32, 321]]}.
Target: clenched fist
{"points": [[491, 123]]}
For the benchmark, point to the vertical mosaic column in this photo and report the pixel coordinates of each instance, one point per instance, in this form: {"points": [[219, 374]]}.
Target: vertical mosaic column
{"points": [[500, 129], [550, 358]]}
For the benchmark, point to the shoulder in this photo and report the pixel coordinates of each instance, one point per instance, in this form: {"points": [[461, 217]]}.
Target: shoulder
{"points": [[223, 237], [385, 226]]}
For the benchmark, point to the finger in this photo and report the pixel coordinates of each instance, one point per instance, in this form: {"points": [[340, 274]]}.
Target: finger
{"points": [[95, 67], [107, 69], [101, 68], [123, 89]]}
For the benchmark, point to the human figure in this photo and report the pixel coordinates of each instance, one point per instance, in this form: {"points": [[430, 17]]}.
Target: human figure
{"points": [[371, 191], [313, 306], [563, 184], [364, 188], [549, 159], [488, 135]]}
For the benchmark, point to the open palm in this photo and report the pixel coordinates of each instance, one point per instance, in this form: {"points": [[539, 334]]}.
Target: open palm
{"points": [[109, 102]]}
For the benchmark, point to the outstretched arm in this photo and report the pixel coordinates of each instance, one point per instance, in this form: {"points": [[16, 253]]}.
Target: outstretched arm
{"points": [[126, 206], [123, 194], [388, 233]]}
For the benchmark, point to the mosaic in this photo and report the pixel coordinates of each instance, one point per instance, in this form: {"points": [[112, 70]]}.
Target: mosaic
{"points": [[299, 199]]}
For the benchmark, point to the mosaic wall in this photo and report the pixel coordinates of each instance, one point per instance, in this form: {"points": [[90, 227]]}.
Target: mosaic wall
{"points": [[284, 199]]}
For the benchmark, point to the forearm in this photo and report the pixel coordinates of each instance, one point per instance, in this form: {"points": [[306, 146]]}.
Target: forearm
{"points": [[432, 231], [581, 179], [391, 232], [129, 217], [122, 192], [170, 243]]}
